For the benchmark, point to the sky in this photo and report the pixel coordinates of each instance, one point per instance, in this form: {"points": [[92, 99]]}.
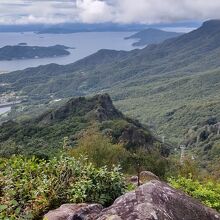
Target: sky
{"points": [[100, 11]]}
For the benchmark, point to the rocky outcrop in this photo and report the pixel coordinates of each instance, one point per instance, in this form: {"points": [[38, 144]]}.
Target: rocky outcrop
{"points": [[154, 200], [99, 107], [134, 136], [145, 176]]}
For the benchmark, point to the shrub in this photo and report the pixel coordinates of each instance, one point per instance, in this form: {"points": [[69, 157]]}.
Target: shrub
{"points": [[97, 185], [207, 192], [30, 187], [98, 149]]}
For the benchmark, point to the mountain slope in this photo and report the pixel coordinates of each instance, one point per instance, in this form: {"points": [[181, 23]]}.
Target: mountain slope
{"points": [[152, 36], [45, 134], [203, 142]]}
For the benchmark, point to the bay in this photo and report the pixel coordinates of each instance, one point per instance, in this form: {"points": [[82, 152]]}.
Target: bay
{"points": [[84, 44]]}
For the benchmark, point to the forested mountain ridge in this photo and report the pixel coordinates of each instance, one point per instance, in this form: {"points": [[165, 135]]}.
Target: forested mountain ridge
{"points": [[45, 134]]}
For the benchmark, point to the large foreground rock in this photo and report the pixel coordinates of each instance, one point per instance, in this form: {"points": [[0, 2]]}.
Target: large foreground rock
{"points": [[157, 201], [152, 201], [74, 212]]}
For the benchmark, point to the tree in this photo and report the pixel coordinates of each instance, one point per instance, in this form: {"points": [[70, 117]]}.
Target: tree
{"points": [[98, 149]]}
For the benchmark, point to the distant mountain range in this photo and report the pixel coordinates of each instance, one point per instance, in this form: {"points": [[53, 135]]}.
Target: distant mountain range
{"points": [[22, 51], [66, 28], [152, 36]]}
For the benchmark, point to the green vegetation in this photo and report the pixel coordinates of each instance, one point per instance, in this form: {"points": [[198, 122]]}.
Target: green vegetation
{"points": [[100, 151], [171, 86], [207, 192], [30, 187], [89, 128], [44, 136], [196, 182]]}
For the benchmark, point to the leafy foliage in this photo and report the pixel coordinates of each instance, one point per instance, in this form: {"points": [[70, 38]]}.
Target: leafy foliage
{"points": [[207, 192], [29, 187], [98, 149], [101, 151]]}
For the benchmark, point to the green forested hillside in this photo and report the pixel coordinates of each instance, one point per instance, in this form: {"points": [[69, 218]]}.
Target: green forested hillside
{"points": [[46, 134], [172, 104]]}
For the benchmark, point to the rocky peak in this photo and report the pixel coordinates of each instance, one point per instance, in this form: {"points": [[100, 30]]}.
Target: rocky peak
{"points": [[99, 107]]}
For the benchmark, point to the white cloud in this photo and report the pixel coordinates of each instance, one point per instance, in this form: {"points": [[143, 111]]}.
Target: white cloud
{"points": [[120, 11], [90, 11]]}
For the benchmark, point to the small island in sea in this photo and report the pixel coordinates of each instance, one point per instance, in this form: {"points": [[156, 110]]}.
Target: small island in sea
{"points": [[22, 44], [20, 52]]}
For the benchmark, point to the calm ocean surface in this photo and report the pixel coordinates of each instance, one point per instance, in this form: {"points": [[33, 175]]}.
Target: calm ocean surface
{"points": [[4, 110], [84, 44]]}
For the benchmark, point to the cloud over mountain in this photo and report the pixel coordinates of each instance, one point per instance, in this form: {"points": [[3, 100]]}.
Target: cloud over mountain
{"points": [[96, 11]]}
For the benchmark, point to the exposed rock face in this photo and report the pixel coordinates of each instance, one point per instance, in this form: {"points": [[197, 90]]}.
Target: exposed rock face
{"points": [[133, 136], [148, 175], [74, 212], [156, 200], [145, 176], [152, 201], [99, 107]]}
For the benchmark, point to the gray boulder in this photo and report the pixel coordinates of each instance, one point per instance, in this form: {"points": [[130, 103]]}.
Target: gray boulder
{"points": [[147, 175], [74, 212], [154, 200]]}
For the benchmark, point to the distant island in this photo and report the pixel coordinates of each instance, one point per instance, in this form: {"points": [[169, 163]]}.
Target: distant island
{"points": [[79, 28], [152, 36], [22, 44], [19, 52]]}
